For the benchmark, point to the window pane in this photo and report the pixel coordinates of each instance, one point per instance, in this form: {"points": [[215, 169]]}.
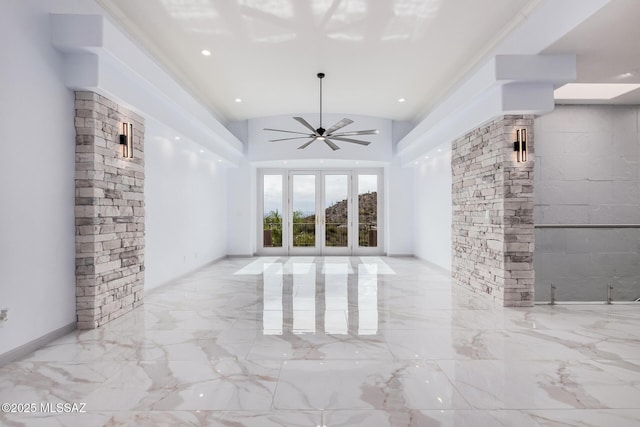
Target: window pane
{"points": [[336, 212], [272, 215], [304, 210], [368, 210]]}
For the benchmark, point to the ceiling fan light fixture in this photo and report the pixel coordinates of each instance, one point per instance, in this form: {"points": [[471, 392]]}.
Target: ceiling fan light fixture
{"points": [[328, 136]]}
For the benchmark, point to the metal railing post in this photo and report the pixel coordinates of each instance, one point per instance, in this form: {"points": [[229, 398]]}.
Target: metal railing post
{"points": [[609, 289], [553, 295]]}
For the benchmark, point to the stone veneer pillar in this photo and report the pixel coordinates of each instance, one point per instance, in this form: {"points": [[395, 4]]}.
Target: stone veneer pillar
{"points": [[492, 223], [109, 212]]}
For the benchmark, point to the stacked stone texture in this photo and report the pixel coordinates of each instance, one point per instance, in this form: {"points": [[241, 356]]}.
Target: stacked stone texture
{"points": [[492, 223], [109, 212]]}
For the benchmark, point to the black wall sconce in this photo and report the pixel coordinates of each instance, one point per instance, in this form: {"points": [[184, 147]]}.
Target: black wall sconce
{"points": [[126, 140], [520, 145]]}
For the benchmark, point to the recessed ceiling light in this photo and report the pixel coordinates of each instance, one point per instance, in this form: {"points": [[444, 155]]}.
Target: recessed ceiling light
{"points": [[401, 99], [205, 52], [177, 138], [593, 90], [219, 160], [426, 157], [202, 151], [439, 150], [238, 100]]}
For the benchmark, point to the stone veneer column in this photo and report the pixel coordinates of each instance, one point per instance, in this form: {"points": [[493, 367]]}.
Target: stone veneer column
{"points": [[492, 223], [109, 212]]}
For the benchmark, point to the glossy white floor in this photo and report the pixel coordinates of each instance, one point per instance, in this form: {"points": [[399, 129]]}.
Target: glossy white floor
{"points": [[360, 341]]}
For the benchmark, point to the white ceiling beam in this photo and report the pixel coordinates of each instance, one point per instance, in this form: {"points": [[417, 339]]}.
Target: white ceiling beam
{"points": [[100, 58], [506, 84], [513, 67]]}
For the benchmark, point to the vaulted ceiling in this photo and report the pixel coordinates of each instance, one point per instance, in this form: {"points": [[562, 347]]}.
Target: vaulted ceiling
{"points": [[267, 53]]}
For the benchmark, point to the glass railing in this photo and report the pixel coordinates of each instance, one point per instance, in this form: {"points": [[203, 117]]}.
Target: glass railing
{"points": [[587, 263], [368, 235], [304, 234], [272, 234], [336, 234]]}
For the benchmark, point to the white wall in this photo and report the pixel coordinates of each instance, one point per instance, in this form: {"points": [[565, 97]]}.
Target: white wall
{"points": [[241, 199], [432, 221], [399, 200], [400, 206], [241, 210], [186, 213], [37, 253]]}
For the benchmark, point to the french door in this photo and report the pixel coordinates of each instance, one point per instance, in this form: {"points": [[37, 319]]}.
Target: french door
{"points": [[320, 217], [311, 212]]}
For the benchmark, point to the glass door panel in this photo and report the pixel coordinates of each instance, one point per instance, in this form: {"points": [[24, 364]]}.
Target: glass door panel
{"points": [[272, 211], [368, 211], [303, 211], [311, 212], [336, 211]]}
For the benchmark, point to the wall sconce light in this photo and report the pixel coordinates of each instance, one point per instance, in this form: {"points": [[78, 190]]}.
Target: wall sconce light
{"points": [[520, 145], [126, 140]]}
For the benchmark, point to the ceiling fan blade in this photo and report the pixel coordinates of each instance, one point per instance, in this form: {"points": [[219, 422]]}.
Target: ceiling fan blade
{"points": [[305, 123], [333, 146], [342, 123], [289, 139], [354, 141], [306, 144], [287, 131], [359, 132]]}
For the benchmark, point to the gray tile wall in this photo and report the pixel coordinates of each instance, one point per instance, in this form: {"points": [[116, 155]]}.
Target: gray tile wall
{"points": [[587, 172]]}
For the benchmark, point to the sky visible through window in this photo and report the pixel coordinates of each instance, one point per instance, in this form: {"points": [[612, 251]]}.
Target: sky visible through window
{"points": [[305, 192], [272, 194]]}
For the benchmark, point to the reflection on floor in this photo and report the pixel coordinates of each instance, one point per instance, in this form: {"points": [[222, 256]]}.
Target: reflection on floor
{"points": [[336, 341]]}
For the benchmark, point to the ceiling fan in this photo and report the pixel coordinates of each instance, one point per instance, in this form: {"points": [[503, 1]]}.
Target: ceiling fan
{"points": [[327, 135]]}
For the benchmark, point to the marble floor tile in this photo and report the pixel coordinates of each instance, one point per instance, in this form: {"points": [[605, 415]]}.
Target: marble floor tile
{"points": [[433, 418], [505, 384], [338, 384], [336, 341], [587, 418], [320, 347]]}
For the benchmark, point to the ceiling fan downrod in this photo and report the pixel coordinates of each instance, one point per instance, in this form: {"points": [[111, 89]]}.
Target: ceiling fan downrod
{"points": [[320, 130]]}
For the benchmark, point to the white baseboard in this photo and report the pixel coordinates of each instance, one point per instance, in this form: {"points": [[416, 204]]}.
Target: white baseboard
{"points": [[435, 266], [182, 276], [31, 346]]}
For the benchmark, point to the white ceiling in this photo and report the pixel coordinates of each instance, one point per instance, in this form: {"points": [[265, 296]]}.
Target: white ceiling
{"points": [[268, 52], [608, 48]]}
